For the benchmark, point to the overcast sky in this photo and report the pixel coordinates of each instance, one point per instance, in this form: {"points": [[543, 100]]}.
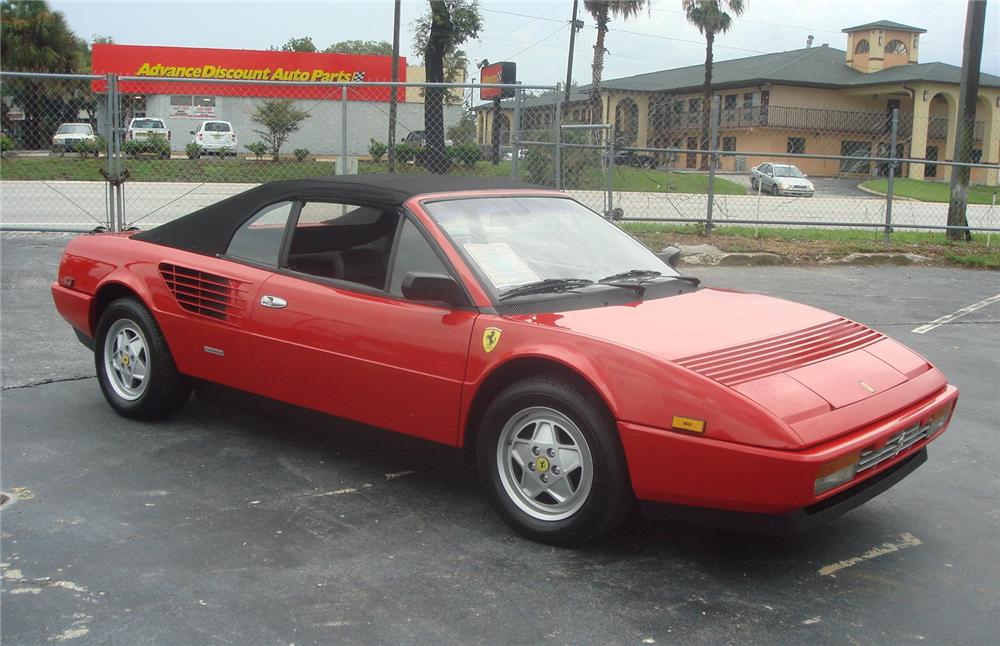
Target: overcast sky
{"points": [[534, 34]]}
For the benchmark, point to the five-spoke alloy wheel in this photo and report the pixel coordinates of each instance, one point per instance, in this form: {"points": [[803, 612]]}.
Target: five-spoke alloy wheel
{"points": [[134, 365], [551, 461]]}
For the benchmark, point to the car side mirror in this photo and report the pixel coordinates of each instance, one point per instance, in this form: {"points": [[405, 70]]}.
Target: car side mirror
{"points": [[440, 288], [191, 131], [670, 255]]}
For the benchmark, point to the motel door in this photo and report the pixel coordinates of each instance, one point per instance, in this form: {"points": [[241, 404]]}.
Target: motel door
{"points": [[692, 158]]}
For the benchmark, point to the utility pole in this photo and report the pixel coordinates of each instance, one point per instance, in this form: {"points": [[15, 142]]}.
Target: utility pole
{"points": [[395, 91], [975, 19], [573, 27]]}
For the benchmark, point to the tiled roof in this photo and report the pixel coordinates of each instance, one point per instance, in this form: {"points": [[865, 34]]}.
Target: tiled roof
{"points": [[885, 24]]}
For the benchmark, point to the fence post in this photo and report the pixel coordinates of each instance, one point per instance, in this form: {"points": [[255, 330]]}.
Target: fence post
{"points": [[610, 165], [116, 202], [892, 174], [109, 129], [515, 133], [558, 140], [342, 162], [713, 146]]}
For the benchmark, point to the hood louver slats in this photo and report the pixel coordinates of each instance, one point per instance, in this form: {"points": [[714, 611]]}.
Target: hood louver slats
{"points": [[198, 292], [781, 353]]}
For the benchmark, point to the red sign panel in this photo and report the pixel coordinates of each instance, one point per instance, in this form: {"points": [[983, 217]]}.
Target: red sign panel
{"points": [[267, 67], [497, 73]]}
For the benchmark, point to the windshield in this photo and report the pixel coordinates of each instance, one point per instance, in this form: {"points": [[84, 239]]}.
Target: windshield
{"points": [[217, 126], [147, 123], [514, 241], [74, 129], [787, 171]]}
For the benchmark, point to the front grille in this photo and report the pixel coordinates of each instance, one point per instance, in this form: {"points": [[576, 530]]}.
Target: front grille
{"points": [[896, 445], [781, 353], [199, 292]]}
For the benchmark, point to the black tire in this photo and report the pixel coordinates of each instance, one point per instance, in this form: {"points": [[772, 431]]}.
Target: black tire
{"points": [[606, 502], [753, 184], [774, 190], [163, 390]]}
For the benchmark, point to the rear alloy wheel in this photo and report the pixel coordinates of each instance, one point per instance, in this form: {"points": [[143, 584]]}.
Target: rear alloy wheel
{"points": [[552, 463], [134, 366]]}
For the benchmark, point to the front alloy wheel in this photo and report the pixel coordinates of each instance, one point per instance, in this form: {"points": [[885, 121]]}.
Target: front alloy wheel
{"points": [[551, 461], [545, 464]]}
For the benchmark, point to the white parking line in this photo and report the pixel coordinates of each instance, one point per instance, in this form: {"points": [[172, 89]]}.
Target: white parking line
{"points": [[948, 318]]}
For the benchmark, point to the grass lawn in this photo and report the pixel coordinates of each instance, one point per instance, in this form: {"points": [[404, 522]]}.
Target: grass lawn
{"points": [[810, 245], [213, 169], [930, 191]]}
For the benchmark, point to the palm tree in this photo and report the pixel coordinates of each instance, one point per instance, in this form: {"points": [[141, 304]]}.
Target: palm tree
{"points": [[710, 17], [603, 11], [36, 39]]}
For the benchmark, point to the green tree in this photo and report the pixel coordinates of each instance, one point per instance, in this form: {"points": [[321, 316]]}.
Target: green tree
{"points": [[448, 24], [603, 11], [710, 17], [369, 47], [303, 44], [35, 38], [464, 132], [277, 119]]}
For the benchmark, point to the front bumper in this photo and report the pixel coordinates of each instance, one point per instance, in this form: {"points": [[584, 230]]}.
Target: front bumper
{"points": [[794, 522], [796, 192], [695, 471]]}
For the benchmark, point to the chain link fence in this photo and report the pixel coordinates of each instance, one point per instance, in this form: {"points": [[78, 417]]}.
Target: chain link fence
{"points": [[117, 152]]}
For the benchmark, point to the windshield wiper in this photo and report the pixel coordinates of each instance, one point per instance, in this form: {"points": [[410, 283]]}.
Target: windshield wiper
{"points": [[631, 273], [547, 285], [635, 279]]}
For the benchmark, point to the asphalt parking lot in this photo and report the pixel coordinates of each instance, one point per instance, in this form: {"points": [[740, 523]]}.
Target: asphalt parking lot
{"points": [[237, 523]]}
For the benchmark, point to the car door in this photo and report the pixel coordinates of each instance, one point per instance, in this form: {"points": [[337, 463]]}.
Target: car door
{"points": [[210, 301], [765, 178], [333, 332]]}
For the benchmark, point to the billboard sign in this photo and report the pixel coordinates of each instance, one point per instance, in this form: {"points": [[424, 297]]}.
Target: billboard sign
{"points": [[266, 68], [497, 73]]}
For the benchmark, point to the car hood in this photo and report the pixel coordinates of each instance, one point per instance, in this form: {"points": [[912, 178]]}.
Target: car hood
{"points": [[794, 360]]}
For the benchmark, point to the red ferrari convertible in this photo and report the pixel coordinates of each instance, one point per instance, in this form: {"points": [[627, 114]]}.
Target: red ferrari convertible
{"points": [[578, 370]]}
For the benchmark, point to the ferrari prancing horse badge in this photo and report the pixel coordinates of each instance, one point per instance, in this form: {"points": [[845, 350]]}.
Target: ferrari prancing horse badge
{"points": [[491, 337]]}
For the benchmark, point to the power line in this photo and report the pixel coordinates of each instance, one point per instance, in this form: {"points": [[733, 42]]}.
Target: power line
{"points": [[561, 27]]}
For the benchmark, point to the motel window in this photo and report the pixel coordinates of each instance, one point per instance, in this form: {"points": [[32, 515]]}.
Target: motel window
{"points": [[729, 144], [895, 47], [748, 100], [855, 149], [730, 101], [862, 47], [796, 145], [977, 155], [694, 105]]}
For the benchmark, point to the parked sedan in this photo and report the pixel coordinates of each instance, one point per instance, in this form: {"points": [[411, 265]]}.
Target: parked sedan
{"points": [[69, 136], [575, 369], [780, 179], [215, 137]]}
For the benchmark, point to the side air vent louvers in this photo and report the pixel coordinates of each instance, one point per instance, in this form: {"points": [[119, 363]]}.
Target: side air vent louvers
{"points": [[198, 292], [781, 353]]}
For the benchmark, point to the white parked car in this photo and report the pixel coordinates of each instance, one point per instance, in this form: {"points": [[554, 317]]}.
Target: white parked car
{"points": [[145, 127], [215, 137], [69, 136], [780, 179]]}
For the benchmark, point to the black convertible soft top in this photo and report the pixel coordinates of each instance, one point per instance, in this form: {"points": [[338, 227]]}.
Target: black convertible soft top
{"points": [[209, 230]]}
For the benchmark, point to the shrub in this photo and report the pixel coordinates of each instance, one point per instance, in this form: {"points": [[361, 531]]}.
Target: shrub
{"points": [[87, 147], [406, 153], [6, 144], [377, 150], [465, 154], [258, 148], [193, 150], [154, 144], [301, 154]]}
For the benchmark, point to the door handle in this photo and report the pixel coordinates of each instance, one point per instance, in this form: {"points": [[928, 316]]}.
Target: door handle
{"points": [[275, 302]]}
